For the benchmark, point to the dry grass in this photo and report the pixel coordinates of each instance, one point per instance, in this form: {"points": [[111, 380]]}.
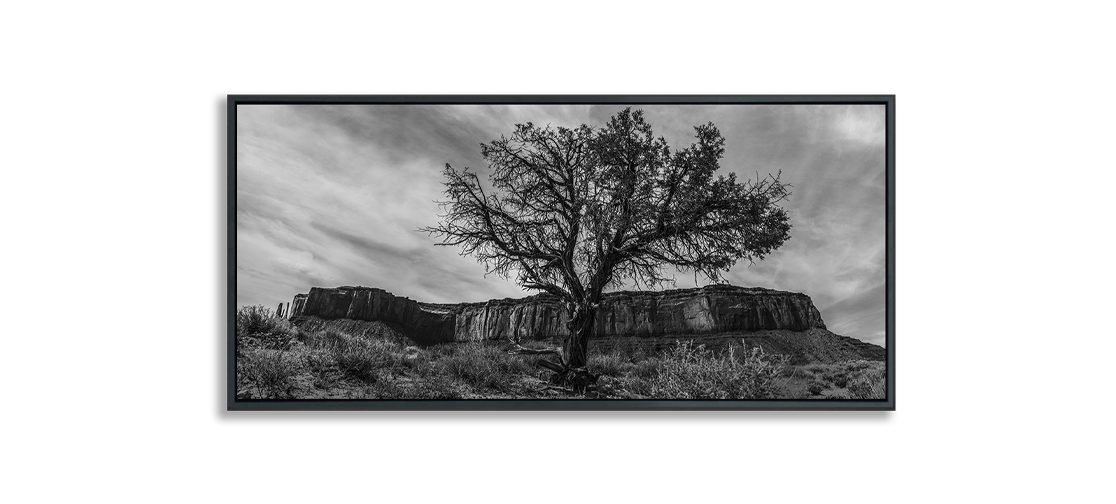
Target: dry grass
{"points": [[483, 366], [371, 360], [687, 371], [268, 372], [857, 379], [258, 327]]}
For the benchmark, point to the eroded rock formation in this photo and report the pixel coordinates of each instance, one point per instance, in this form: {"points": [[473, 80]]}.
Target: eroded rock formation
{"points": [[297, 304], [704, 311]]}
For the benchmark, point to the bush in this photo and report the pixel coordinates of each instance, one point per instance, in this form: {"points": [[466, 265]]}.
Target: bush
{"points": [[482, 366], [648, 368], [258, 327], [259, 320], [637, 387], [627, 348], [870, 385], [386, 389], [472, 363], [435, 387], [798, 358], [356, 357], [612, 364], [358, 362], [269, 371], [362, 358], [318, 360], [416, 361], [357, 328], [689, 372], [858, 365], [327, 339]]}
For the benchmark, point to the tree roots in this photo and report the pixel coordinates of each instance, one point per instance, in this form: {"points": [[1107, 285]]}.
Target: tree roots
{"points": [[565, 378]]}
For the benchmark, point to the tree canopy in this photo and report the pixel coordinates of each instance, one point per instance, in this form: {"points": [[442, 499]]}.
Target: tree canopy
{"points": [[574, 212]]}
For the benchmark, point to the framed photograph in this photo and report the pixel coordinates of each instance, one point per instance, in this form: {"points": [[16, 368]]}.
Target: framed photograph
{"points": [[561, 252]]}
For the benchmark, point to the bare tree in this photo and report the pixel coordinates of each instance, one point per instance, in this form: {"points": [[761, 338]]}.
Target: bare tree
{"points": [[573, 212]]}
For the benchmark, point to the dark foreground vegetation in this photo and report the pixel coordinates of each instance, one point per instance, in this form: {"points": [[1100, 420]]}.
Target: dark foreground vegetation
{"points": [[344, 359]]}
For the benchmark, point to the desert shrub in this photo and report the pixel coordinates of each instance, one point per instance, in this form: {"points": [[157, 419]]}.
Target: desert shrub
{"points": [[858, 365], [328, 338], [792, 388], [798, 358], [358, 363], [361, 359], [268, 371], [815, 387], [435, 387], [386, 389], [630, 349], [871, 384], [472, 362], [611, 364], [483, 366], [516, 364], [692, 372], [441, 350], [258, 327], [322, 382], [640, 387], [257, 319], [415, 360], [357, 328], [273, 341], [647, 368], [356, 357], [319, 361]]}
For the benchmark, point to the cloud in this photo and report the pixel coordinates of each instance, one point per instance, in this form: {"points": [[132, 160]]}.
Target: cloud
{"points": [[863, 314], [334, 195], [302, 272]]}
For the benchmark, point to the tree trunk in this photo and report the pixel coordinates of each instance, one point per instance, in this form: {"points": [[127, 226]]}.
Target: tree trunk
{"points": [[576, 348], [575, 351]]}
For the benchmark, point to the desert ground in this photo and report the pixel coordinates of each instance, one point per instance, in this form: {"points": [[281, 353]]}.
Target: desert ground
{"points": [[344, 359]]}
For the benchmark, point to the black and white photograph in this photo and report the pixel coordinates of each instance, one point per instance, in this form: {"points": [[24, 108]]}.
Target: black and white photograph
{"points": [[617, 252], [557, 252]]}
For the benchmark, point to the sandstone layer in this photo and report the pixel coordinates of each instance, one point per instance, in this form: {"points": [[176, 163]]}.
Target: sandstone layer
{"points": [[712, 310]]}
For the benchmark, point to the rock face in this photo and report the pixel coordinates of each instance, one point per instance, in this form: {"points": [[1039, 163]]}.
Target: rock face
{"points": [[704, 311], [362, 303], [297, 304]]}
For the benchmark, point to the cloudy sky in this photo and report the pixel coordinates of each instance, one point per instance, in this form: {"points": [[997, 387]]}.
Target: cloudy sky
{"points": [[333, 195]]}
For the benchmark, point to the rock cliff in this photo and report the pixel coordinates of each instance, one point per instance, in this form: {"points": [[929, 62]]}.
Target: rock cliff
{"points": [[420, 321], [717, 309]]}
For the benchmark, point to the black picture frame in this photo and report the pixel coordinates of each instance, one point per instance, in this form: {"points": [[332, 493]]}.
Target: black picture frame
{"points": [[227, 410]]}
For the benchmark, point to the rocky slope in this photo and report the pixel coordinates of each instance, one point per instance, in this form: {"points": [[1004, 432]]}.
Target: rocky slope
{"points": [[707, 310]]}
